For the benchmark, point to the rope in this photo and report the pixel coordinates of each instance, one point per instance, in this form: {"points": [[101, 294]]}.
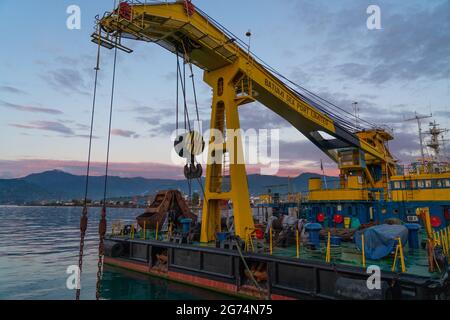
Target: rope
{"points": [[247, 268], [181, 77], [190, 188], [186, 111], [198, 118], [183, 89], [194, 91], [110, 122], [102, 224], [84, 215], [199, 180], [178, 85]]}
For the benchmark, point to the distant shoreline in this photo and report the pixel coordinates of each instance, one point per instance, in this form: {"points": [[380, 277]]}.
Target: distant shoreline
{"points": [[72, 206]]}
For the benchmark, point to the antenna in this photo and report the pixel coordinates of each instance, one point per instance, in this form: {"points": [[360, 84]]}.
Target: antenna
{"points": [[248, 34], [356, 110], [418, 118]]}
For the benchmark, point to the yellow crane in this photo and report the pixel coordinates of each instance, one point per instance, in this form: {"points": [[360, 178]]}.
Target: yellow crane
{"points": [[237, 78]]}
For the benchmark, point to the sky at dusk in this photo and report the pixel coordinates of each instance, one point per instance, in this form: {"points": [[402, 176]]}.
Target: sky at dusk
{"points": [[47, 76]]}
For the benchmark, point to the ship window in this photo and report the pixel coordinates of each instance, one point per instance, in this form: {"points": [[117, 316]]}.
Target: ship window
{"points": [[346, 159], [414, 184], [420, 184], [403, 185], [396, 185], [428, 183], [438, 183], [395, 211], [447, 182]]}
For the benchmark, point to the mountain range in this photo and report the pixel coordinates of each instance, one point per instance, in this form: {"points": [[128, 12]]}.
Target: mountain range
{"points": [[59, 185]]}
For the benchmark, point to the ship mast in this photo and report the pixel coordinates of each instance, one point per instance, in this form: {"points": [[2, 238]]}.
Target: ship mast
{"points": [[418, 118], [444, 148], [434, 143]]}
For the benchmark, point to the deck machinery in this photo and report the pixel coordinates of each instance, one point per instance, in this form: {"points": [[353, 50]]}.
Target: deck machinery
{"points": [[369, 174]]}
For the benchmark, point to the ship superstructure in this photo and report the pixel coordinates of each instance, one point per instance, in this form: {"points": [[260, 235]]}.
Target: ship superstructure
{"points": [[424, 183]]}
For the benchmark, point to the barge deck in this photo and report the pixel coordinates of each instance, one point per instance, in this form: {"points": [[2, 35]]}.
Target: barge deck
{"points": [[288, 277]]}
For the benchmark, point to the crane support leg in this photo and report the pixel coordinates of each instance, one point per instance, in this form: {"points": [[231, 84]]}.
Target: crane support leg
{"points": [[225, 129]]}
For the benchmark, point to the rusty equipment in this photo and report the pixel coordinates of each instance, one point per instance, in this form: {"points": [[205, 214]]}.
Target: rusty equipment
{"points": [[169, 202]]}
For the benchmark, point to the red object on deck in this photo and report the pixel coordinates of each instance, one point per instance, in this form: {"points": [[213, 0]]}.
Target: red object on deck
{"points": [[190, 9], [338, 218], [259, 234], [435, 221], [320, 217], [125, 10]]}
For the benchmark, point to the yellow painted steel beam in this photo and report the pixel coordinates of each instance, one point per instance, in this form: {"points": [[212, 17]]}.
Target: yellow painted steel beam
{"points": [[168, 24], [225, 116], [197, 38]]}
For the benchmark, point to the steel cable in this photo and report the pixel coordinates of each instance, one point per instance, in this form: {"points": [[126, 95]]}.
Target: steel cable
{"points": [[84, 215], [103, 223]]}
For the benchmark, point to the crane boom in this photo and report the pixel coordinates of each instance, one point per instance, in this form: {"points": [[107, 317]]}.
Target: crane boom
{"points": [[238, 78]]}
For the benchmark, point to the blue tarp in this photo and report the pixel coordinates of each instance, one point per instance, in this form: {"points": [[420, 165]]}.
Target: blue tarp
{"points": [[381, 240]]}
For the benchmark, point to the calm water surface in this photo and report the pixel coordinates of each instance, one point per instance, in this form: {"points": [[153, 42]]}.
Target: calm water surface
{"points": [[37, 244]]}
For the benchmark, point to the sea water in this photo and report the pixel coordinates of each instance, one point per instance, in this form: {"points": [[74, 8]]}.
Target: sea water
{"points": [[39, 244]]}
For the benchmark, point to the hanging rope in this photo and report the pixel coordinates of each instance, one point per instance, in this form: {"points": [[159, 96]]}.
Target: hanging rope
{"points": [[84, 215], [102, 224], [187, 122], [195, 93], [192, 171], [178, 94], [199, 180], [261, 290], [182, 77]]}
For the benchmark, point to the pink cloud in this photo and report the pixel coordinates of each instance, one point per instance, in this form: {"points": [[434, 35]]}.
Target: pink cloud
{"points": [[124, 133], [23, 167], [30, 108], [294, 170], [46, 126]]}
